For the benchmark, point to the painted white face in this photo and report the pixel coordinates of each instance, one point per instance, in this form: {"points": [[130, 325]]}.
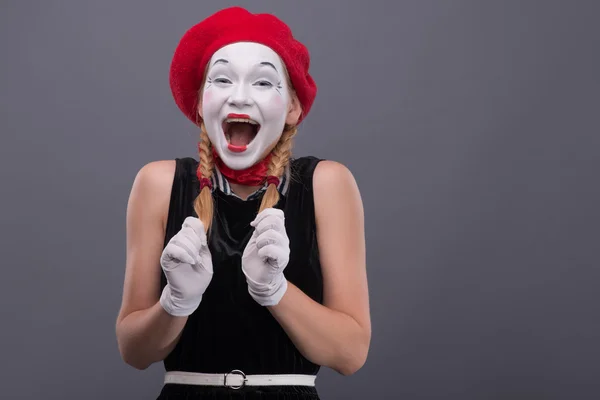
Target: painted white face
{"points": [[245, 102]]}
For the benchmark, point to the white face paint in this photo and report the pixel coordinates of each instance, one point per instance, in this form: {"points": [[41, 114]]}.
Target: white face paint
{"points": [[245, 102]]}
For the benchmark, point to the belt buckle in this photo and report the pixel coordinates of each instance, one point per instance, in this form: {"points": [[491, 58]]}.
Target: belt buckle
{"points": [[238, 372]]}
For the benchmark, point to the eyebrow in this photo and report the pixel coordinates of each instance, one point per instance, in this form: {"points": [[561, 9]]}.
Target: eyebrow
{"points": [[268, 64], [264, 63]]}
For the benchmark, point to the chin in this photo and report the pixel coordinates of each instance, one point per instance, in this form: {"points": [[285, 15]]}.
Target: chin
{"points": [[237, 165], [237, 161]]}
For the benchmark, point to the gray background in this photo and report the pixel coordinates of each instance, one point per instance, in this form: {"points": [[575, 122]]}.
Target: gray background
{"points": [[471, 127]]}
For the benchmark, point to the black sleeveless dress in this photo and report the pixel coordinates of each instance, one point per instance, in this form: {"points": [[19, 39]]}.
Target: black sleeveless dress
{"points": [[229, 330]]}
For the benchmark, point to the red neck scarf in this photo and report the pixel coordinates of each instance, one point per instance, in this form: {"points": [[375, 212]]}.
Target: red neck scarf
{"points": [[255, 175]]}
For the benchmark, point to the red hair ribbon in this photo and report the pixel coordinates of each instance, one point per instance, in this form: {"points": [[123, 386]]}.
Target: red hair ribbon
{"points": [[272, 179], [205, 182]]}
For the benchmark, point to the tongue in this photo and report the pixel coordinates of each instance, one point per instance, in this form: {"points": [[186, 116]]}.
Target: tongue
{"points": [[240, 133]]}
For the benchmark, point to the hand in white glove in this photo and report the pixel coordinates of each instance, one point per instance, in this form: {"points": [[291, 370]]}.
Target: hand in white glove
{"points": [[187, 263], [266, 256]]}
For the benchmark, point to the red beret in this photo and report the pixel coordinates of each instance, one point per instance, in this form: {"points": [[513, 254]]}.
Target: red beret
{"points": [[231, 25]]}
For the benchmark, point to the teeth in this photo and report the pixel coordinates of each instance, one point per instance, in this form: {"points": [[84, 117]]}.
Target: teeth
{"points": [[249, 121]]}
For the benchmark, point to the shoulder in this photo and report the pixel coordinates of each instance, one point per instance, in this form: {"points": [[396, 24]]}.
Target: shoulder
{"points": [[151, 189], [331, 177], [155, 175], [335, 190], [325, 177]]}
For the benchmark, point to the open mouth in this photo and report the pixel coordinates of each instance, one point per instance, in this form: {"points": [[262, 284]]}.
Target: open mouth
{"points": [[240, 130]]}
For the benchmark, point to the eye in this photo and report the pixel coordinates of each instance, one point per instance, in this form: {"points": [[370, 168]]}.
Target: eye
{"points": [[222, 80], [263, 84]]}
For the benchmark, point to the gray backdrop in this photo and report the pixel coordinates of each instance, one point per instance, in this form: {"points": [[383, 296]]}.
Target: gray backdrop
{"points": [[472, 130]]}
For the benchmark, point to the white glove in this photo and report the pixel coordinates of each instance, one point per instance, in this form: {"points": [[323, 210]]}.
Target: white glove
{"points": [[265, 257], [187, 263]]}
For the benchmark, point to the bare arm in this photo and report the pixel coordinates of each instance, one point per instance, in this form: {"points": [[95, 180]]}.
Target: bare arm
{"points": [[145, 332], [336, 334]]}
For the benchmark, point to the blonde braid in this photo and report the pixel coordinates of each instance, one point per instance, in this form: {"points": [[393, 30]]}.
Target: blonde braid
{"points": [[280, 158], [203, 203]]}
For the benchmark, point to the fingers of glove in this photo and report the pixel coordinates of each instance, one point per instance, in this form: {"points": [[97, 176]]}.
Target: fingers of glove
{"points": [[205, 261], [190, 245], [271, 237], [270, 224], [196, 225], [273, 254], [189, 235], [173, 256], [268, 213]]}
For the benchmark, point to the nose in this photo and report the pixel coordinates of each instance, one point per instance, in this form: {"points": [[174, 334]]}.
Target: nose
{"points": [[240, 97]]}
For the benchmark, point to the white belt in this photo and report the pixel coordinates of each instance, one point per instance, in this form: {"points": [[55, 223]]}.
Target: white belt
{"points": [[236, 379]]}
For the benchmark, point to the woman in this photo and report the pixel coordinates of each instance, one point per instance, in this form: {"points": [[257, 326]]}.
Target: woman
{"points": [[262, 275]]}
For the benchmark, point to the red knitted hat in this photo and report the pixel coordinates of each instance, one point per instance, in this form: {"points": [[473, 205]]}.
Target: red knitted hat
{"points": [[231, 25]]}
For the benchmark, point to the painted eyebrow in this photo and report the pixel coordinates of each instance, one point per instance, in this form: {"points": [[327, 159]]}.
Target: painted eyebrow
{"points": [[264, 63], [268, 64], [220, 60]]}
